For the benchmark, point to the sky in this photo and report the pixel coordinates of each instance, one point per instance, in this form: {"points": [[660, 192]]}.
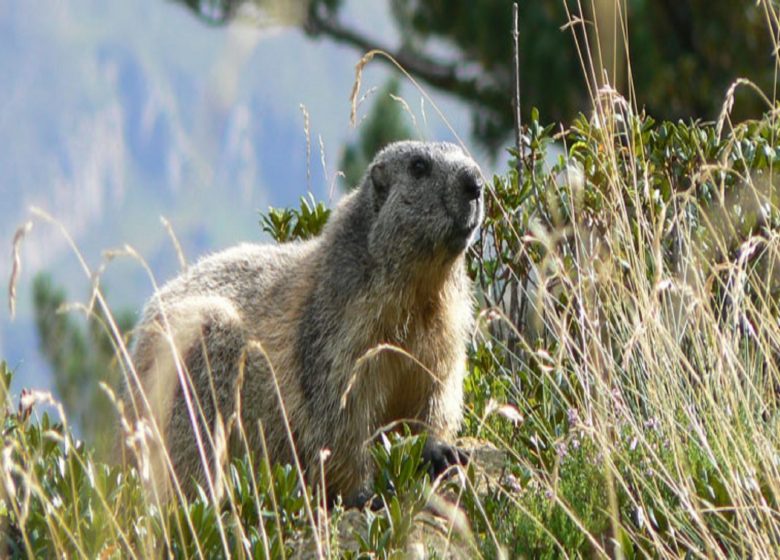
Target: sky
{"points": [[114, 114]]}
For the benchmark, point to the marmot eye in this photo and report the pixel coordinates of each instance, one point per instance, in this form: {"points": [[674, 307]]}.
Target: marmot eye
{"points": [[419, 167]]}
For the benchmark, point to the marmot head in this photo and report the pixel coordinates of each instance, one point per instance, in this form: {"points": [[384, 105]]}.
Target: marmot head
{"points": [[426, 199]]}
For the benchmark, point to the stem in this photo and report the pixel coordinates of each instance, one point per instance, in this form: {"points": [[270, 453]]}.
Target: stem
{"points": [[518, 119]]}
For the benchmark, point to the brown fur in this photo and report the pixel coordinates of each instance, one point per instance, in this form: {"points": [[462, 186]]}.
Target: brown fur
{"points": [[363, 326]]}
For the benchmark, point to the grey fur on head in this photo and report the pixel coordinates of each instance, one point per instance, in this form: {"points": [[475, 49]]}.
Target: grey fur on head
{"points": [[387, 272]]}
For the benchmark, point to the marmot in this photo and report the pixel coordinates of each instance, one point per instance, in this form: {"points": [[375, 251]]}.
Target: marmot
{"points": [[387, 271]]}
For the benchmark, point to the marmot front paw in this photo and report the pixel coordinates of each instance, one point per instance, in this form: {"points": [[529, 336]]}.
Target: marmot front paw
{"points": [[440, 456]]}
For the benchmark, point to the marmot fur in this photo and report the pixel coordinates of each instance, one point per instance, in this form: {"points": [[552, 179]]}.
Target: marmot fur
{"points": [[387, 270]]}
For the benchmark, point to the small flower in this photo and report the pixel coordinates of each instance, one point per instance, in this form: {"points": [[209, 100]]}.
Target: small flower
{"points": [[510, 482]]}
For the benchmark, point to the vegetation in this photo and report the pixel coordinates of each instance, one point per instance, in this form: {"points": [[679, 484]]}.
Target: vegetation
{"points": [[679, 65], [624, 368], [629, 317], [81, 357]]}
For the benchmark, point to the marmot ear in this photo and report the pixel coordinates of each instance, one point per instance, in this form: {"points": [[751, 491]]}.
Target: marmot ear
{"points": [[380, 181]]}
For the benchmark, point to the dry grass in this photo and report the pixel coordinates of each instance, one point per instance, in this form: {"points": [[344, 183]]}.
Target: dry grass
{"points": [[629, 340]]}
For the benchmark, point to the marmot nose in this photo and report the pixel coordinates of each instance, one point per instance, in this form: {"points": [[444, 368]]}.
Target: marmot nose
{"points": [[470, 183]]}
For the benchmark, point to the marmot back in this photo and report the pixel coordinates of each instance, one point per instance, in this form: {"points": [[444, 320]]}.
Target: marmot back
{"points": [[256, 325]]}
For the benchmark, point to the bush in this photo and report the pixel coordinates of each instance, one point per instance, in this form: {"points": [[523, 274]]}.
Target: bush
{"points": [[631, 317]]}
